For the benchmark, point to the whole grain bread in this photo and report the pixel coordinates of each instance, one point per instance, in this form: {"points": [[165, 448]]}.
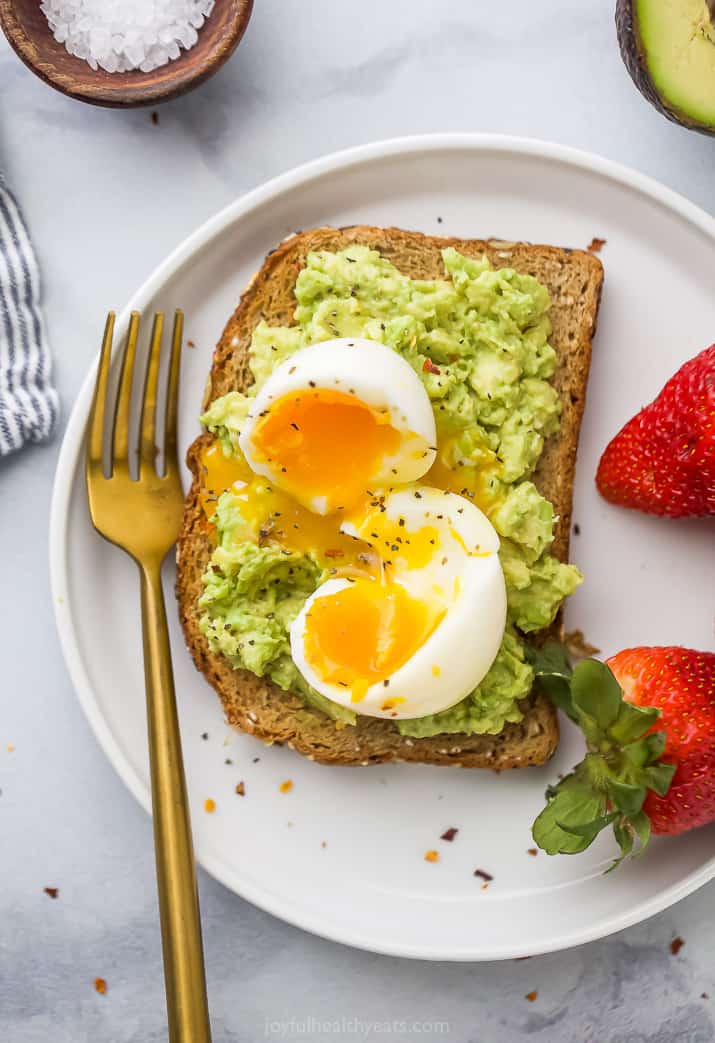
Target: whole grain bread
{"points": [[254, 705]]}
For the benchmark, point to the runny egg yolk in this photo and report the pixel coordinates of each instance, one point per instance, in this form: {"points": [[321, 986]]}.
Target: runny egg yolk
{"points": [[272, 516], [325, 443], [393, 541], [480, 483], [365, 632], [219, 473]]}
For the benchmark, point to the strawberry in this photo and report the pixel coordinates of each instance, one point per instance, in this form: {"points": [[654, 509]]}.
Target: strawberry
{"points": [[648, 716], [663, 460], [681, 684]]}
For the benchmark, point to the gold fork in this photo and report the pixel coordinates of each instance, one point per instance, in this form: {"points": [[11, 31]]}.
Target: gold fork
{"points": [[143, 517]]}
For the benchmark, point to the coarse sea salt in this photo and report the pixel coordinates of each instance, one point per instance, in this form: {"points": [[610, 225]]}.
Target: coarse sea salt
{"points": [[118, 35]]}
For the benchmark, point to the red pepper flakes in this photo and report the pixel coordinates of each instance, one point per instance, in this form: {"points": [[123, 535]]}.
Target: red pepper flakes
{"points": [[53, 892], [190, 344], [209, 806], [428, 366], [531, 996], [532, 851], [100, 986], [241, 789], [676, 945], [334, 552], [432, 856], [483, 874], [595, 245], [449, 834], [286, 786]]}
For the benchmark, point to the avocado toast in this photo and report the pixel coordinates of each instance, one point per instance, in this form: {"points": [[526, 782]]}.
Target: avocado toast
{"points": [[253, 703]]}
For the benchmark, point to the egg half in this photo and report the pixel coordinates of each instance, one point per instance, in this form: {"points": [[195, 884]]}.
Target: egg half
{"points": [[422, 635], [337, 419]]}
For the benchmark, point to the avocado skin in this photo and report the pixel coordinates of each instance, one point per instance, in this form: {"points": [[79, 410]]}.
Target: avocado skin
{"points": [[634, 60]]}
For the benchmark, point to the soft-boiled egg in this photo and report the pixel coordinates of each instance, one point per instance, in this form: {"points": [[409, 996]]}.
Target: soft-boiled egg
{"points": [[337, 419], [421, 636]]}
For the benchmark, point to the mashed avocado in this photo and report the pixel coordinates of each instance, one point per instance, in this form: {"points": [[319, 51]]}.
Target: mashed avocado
{"points": [[478, 340]]}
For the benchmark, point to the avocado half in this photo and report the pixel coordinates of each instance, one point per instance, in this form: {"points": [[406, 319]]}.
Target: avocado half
{"points": [[668, 47]]}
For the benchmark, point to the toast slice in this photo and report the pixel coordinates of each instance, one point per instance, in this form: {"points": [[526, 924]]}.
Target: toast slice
{"points": [[254, 705]]}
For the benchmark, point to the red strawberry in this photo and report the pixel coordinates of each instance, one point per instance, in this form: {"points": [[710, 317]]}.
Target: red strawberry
{"points": [[648, 717], [663, 460], [681, 684]]}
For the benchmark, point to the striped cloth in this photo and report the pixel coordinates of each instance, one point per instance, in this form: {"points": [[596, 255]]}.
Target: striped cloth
{"points": [[28, 402]]}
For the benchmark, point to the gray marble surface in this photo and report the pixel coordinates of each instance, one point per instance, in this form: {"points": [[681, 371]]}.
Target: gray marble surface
{"points": [[107, 195]]}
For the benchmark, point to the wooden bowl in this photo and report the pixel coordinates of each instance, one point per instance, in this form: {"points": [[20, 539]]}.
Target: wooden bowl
{"points": [[26, 28]]}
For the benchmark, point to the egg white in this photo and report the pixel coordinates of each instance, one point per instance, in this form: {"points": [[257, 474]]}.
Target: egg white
{"points": [[375, 375], [464, 575]]}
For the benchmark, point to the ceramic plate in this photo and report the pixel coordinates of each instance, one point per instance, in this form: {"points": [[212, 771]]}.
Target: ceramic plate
{"points": [[341, 854]]}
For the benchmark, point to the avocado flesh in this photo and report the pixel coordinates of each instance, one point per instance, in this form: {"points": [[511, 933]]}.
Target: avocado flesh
{"points": [[678, 41]]}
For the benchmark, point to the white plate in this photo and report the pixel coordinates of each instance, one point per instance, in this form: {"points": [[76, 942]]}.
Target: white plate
{"points": [[342, 854]]}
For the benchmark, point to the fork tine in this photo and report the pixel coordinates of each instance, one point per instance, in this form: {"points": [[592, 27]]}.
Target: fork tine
{"points": [[99, 398], [147, 439], [172, 394], [120, 432]]}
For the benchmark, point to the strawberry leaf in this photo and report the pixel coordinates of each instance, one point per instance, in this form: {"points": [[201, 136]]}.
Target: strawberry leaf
{"points": [[626, 797], [570, 802], [590, 829], [549, 659], [624, 836], [632, 722], [641, 824], [659, 777], [553, 670], [558, 690], [595, 691], [655, 745]]}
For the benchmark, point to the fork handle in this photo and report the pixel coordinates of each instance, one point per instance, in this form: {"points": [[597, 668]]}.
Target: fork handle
{"points": [[184, 974]]}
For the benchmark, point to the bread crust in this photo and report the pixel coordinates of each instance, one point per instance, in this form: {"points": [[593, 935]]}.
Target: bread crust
{"points": [[574, 279]]}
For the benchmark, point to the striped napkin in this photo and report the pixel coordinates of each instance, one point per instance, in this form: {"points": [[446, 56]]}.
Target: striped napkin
{"points": [[28, 401]]}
